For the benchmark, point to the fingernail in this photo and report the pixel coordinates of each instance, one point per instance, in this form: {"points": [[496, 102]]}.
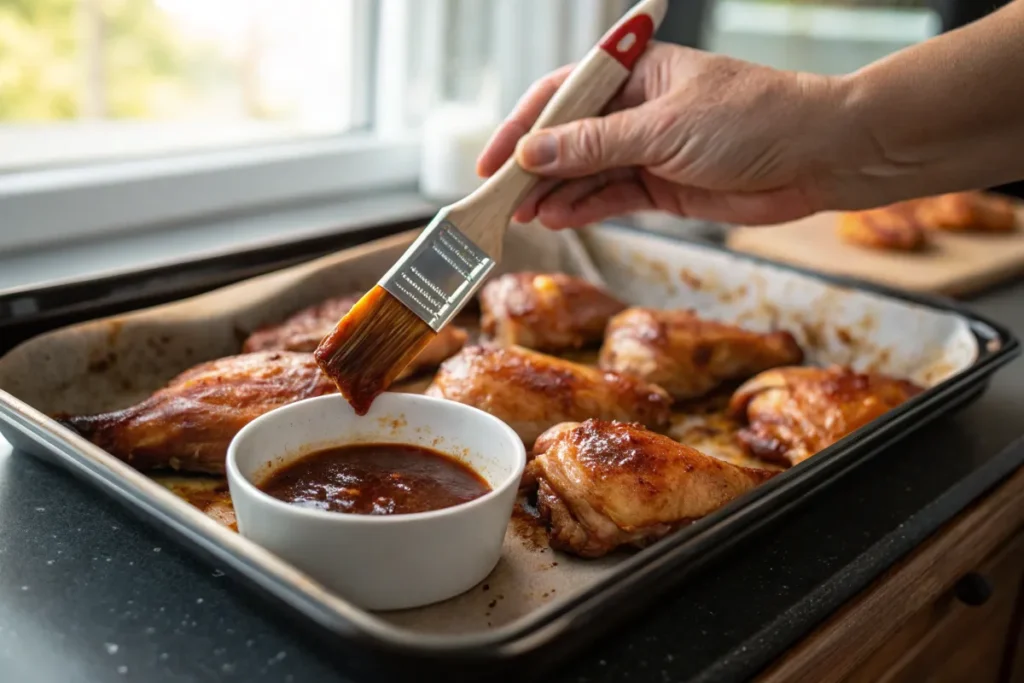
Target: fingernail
{"points": [[539, 150]]}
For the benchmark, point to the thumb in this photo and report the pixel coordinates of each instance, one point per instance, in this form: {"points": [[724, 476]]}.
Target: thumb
{"points": [[624, 138]]}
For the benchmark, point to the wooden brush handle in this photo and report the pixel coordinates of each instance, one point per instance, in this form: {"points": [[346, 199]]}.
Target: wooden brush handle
{"points": [[484, 215]]}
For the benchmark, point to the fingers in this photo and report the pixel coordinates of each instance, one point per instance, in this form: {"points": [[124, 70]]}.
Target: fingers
{"points": [[561, 206], [503, 142], [574, 203], [528, 208], [611, 200], [631, 137], [582, 201], [562, 194], [745, 208]]}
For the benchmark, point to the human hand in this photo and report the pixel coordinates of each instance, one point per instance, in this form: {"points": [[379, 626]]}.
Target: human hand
{"points": [[694, 134]]}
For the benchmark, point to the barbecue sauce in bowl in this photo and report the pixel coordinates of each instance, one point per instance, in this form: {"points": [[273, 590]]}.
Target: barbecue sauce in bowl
{"points": [[376, 479]]}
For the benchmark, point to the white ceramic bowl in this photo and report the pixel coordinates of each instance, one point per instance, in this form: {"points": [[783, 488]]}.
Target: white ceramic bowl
{"points": [[380, 562]]}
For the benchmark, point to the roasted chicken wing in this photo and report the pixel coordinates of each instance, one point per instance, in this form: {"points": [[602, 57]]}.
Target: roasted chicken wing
{"points": [[188, 424], [891, 228], [545, 312], [304, 330], [531, 391], [602, 485], [688, 356], [792, 413]]}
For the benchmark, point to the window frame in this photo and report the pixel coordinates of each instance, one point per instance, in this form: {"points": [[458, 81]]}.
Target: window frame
{"points": [[43, 207], [40, 207]]}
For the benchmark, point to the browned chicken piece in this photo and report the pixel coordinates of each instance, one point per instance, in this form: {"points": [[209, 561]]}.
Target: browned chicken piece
{"points": [[304, 330], [188, 424], [903, 226], [792, 413], [531, 391], [545, 312], [688, 356], [891, 228], [603, 485], [972, 211]]}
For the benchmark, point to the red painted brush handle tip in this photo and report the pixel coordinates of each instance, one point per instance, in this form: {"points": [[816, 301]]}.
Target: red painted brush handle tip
{"points": [[625, 43]]}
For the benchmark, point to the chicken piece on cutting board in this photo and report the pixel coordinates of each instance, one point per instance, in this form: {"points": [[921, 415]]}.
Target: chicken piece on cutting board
{"points": [[888, 228], [904, 226], [972, 211]]}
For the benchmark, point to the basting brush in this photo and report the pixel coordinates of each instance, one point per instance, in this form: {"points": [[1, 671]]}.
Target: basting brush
{"points": [[452, 257]]}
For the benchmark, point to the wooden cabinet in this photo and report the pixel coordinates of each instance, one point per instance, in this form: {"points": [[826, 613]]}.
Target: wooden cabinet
{"points": [[952, 612], [953, 640]]}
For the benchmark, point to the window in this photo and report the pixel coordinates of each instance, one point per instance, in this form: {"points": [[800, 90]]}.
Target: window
{"points": [[127, 114], [94, 80], [823, 36]]}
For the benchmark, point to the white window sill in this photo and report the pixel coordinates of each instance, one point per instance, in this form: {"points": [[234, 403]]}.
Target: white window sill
{"points": [[30, 146], [119, 252], [51, 206]]}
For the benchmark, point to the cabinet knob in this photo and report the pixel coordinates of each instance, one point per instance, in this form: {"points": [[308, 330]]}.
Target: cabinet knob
{"points": [[973, 589]]}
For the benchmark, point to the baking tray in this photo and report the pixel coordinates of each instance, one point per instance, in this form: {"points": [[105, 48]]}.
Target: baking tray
{"points": [[949, 349]]}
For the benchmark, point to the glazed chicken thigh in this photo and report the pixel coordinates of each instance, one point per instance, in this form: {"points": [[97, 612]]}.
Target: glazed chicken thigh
{"points": [[601, 485], [545, 312], [792, 413], [304, 330], [531, 391], [689, 356], [188, 424]]}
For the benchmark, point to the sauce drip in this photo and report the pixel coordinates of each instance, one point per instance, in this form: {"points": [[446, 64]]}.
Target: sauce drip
{"points": [[376, 479]]}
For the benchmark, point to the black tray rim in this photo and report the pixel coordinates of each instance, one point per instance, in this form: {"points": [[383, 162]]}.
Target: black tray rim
{"points": [[996, 347]]}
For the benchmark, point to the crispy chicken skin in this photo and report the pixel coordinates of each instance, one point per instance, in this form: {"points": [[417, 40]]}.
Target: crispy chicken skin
{"points": [[304, 330], [689, 356], [792, 413], [602, 485], [531, 391], [188, 424], [545, 312], [890, 228]]}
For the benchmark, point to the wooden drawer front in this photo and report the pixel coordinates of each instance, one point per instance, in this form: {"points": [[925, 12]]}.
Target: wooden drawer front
{"points": [[909, 626], [951, 641]]}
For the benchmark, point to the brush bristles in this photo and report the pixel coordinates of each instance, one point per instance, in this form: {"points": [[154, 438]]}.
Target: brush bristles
{"points": [[371, 346]]}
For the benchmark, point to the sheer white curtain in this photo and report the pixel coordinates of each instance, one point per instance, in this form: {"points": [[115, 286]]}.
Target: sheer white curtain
{"points": [[534, 37], [451, 69], [468, 51]]}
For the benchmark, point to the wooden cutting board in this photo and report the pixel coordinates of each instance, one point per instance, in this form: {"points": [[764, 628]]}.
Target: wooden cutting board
{"points": [[954, 264]]}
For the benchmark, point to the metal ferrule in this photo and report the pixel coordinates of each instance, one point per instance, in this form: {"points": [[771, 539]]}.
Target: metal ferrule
{"points": [[438, 274]]}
